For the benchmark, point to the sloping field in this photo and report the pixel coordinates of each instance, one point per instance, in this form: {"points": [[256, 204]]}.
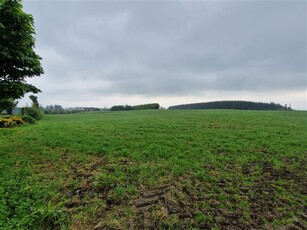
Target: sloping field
{"points": [[212, 169]]}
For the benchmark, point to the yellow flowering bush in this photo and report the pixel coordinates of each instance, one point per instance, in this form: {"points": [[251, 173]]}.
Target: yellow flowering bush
{"points": [[17, 120], [10, 122]]}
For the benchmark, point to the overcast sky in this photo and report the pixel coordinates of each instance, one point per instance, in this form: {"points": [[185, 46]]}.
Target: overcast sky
{"points": [[102, 53]]}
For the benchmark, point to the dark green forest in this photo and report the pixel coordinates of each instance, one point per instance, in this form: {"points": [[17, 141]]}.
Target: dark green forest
{"points": [[241, 105]]}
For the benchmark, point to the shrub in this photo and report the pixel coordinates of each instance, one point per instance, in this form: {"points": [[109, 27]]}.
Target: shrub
{"points": [[12, 121], [9, 122], [32, 111], [17, 120], [6, 123], [28, 119]]}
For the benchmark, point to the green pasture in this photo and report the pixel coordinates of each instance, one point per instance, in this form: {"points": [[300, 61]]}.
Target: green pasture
{"points": [[159, 169]]}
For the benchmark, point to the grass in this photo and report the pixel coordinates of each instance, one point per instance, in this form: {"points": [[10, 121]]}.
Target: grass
{"points": [[155, 169]]}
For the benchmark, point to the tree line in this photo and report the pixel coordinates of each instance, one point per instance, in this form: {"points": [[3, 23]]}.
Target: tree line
{"points": [[241, 105], [136, 107], [58, 109]]}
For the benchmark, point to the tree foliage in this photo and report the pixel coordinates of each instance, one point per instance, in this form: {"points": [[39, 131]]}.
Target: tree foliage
{"points": [[34, 101], [54, 109], [243, 105], [8, 105], [136, 107], [18, 61], [147, 106], [32, 112], [121, 108]]}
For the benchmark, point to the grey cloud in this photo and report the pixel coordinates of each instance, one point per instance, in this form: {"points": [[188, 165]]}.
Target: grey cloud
{"points": [[172, 48]]}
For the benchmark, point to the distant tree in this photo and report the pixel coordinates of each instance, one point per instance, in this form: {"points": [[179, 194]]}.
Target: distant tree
{"points": [[34, 101], [8, 105], [18, 60], [11, 106], [54, 109]]}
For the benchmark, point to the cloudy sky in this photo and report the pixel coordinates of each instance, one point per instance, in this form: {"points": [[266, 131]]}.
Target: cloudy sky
{"points": [[101, 53]]}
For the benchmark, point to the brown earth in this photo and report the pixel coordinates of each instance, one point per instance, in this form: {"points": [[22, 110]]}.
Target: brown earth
{"points": [[179, 203]]}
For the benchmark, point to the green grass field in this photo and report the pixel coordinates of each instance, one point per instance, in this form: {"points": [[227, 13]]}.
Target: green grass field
{"points": [[213, 169]]}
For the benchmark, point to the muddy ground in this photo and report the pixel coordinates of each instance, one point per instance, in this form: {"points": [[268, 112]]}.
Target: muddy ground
{"points": [[186, 202]]}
